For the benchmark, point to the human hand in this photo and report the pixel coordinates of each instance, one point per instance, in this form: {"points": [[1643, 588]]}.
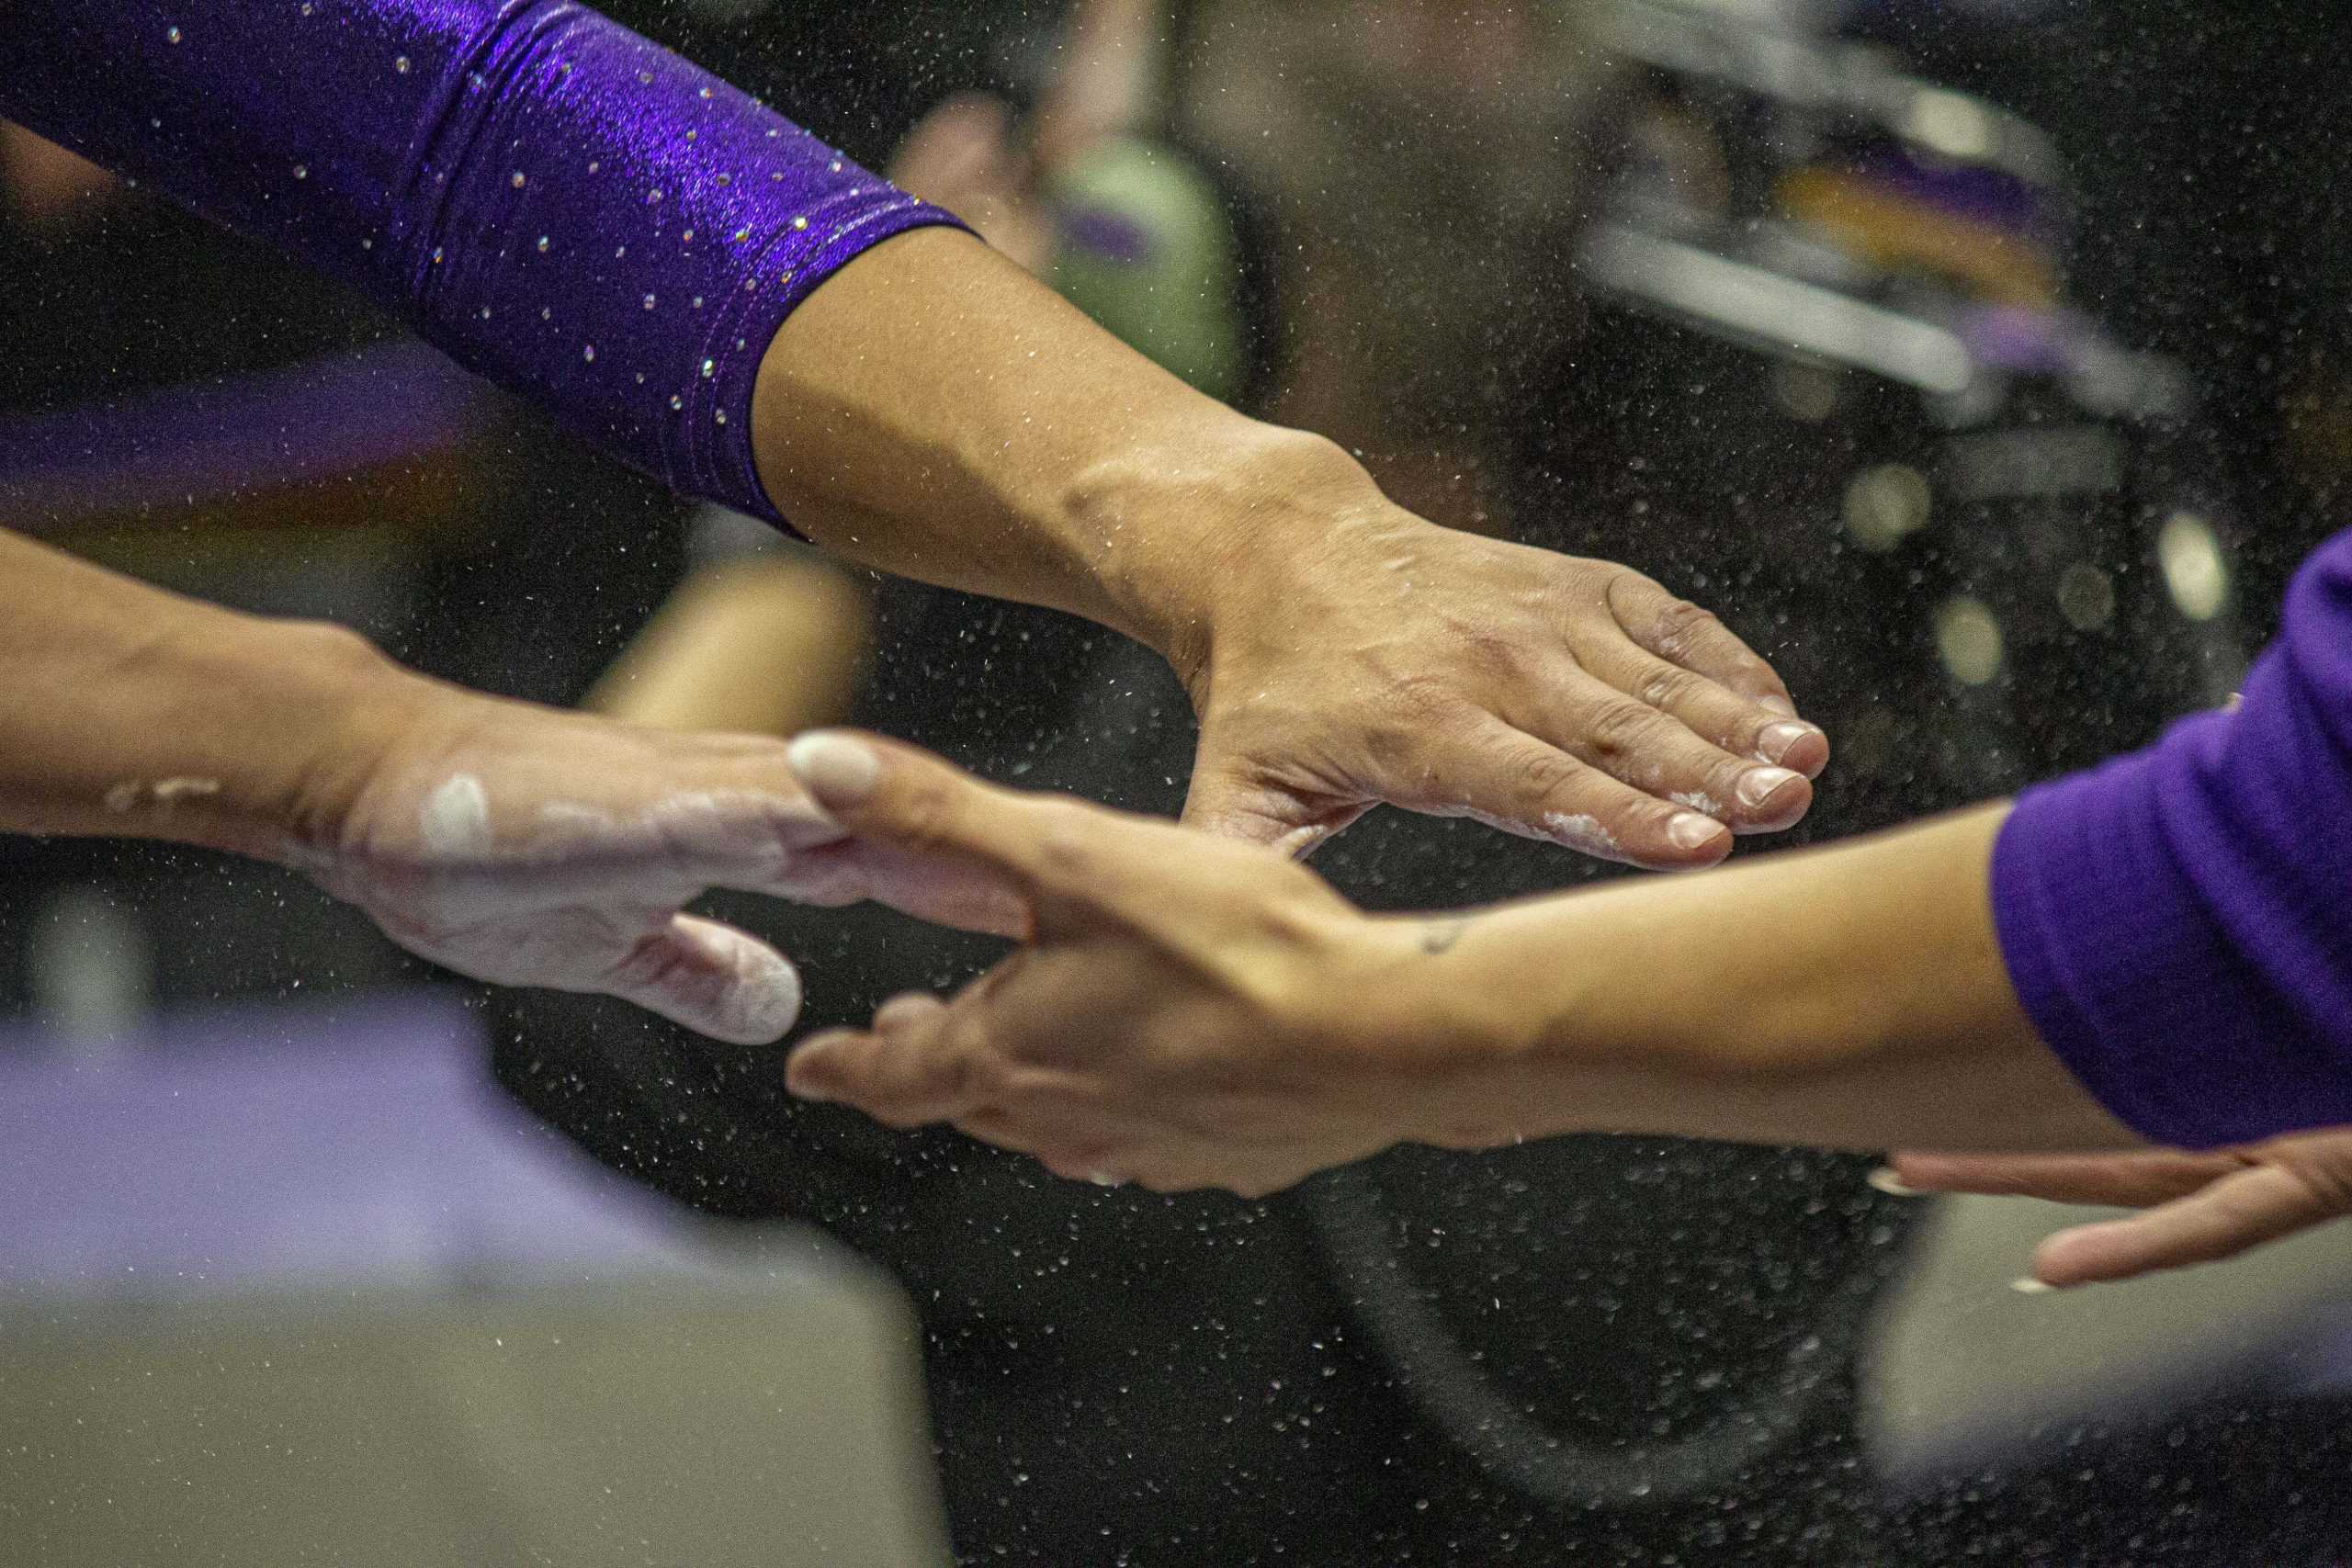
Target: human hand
{"points": [[1360, 655], [970, 156], [2196, 1208], [526, 846], [1187, 1012], [965, 155]]}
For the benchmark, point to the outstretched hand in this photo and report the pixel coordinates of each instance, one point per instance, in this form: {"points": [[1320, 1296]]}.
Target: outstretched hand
{"points": [[2195, 1208], [1563, 699], [1187, 1012], [526, 846]]}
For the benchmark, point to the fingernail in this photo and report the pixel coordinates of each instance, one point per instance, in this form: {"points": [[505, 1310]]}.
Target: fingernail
{"points": [[1773, 743], [1780, 705], [1691, 832], [1885, 1179], [1760, 785], [835, 769], [2030, 1286]]}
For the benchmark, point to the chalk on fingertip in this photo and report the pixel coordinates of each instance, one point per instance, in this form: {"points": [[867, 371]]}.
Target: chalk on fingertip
{"points": [[836, 769], [2030, 1286], [1885, 1179]]}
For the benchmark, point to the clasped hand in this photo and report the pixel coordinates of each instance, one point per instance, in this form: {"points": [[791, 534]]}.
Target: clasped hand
{"points": [[1185, 1012]]}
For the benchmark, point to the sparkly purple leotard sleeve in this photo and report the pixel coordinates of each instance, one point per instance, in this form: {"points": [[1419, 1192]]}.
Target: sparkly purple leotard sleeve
{"points": [[2178, 923], [560, 204]]}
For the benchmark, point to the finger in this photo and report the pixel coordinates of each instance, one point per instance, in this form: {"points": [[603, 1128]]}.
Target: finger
{"points": [[712, 978], [907, 1009], [954, 147], [904, 1076], [1743, 731], [1512, 780], [2235, 1214], [1684, 635], [1656, 753], [944, 890], [2126, 1180], [1058, 855], [785, 845]]}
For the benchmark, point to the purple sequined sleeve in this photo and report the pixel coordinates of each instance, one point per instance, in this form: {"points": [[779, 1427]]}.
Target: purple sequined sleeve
{"points": [[2178, 923], [563, 206]]}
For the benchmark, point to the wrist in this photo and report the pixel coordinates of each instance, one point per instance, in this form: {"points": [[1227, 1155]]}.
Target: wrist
{"points": [[1197, 524], [341, 706], [1464, 1046]]}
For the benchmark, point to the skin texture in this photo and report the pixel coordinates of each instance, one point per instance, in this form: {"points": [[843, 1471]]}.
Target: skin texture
{"points": [[933, 410], [1550, 696], [1340, 652], [1188, 1014], [514, 843]]}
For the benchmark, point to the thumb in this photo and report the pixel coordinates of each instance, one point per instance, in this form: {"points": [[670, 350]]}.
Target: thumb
{"points": [[905, 803], [712, 978], [1222, 802]]}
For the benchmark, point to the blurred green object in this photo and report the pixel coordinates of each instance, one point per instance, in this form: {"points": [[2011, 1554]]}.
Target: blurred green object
{"points": [[1144, 244]]}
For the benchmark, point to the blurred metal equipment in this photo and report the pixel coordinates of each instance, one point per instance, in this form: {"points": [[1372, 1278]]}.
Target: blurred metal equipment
{"points": [[2063, 542], [1860, 236], [1857, 221]]}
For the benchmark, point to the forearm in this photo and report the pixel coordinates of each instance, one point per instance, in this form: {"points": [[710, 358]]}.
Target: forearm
{"points": [[132, 711], [1852, 997], [766, 646], [687, 279], [563, 207], [935, 411]]}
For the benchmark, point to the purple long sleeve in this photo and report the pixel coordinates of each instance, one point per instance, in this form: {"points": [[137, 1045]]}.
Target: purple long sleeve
{"points": [[2178, 923], [560, 204]]}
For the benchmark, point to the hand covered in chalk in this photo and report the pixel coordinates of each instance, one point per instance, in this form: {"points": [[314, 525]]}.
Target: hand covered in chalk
{"points": [[530, 847], [1186, 1013], [1360, 655], [2196, 1208]]}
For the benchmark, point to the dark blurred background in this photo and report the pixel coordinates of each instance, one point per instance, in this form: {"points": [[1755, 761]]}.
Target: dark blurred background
{"points": [[2050, 388]]}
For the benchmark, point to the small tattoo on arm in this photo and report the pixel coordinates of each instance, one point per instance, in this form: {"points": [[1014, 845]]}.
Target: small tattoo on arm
{"points": [[1441, 935]]}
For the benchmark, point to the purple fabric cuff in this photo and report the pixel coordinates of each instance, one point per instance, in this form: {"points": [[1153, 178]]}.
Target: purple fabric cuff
{"points": [[2178, 923], [561, 204]]}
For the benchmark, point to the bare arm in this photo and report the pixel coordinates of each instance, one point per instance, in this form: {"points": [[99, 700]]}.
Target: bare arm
{"points": [[688, 278], [770, 646], [1852, 997], [1190, 1013], [129, 710], [934, 411], [514, 843]]}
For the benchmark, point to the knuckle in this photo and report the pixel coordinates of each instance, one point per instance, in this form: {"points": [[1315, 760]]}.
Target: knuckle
{"points": [[925, 815], [1063, 835], [1420, 695], [1543, 773], [1670, 686], [1622, 726], [2329, 1180], [1628, 594], [1682, 625], [965, 1071]]}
